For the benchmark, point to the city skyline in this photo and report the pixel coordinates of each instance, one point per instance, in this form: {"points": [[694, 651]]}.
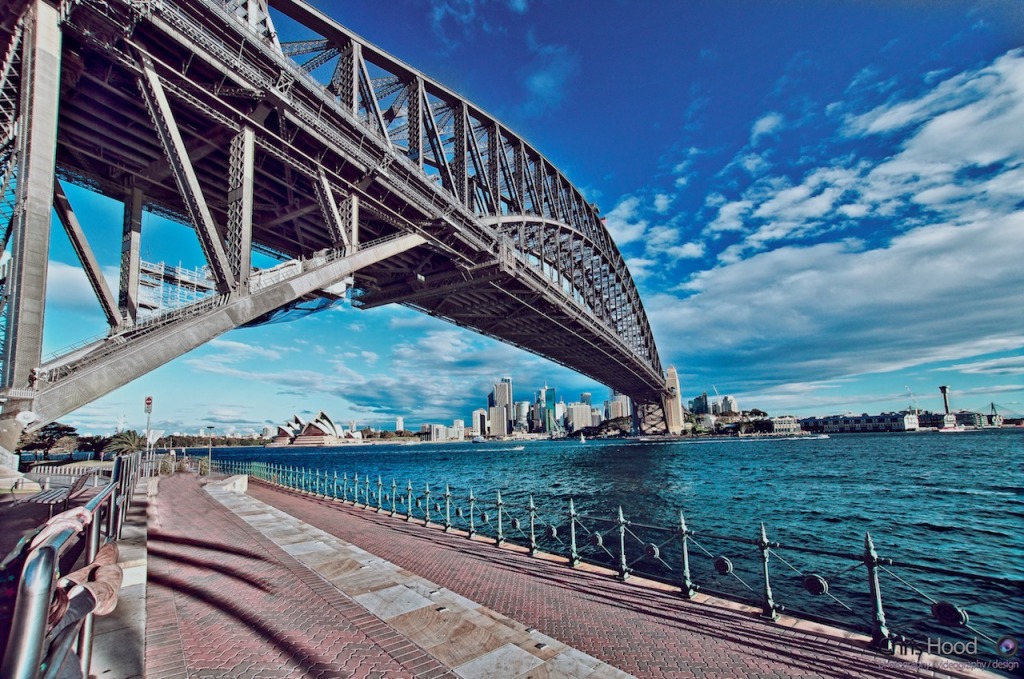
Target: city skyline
{"points": [[820, 206]]}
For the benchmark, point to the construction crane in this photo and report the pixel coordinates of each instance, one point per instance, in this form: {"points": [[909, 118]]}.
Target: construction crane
{"points": [[718, 399], [913, 401]]}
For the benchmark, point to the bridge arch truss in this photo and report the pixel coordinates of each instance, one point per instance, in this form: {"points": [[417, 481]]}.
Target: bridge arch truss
{"points": [[326, 151]]}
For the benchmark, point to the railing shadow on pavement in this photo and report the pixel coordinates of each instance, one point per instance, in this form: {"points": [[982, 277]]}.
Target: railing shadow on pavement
{"points": [[929, 608]]}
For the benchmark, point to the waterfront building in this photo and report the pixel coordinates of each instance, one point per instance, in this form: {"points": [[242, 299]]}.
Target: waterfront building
{"points": [[619, 406], [673, 404], [479, 421], [399, 423], [966, 418], [438, 432], [929, 420], [700, 406], [578, 416], [729, 405], [501, 400], [785, 424], [585, 398], [457, 431], [522, 416], [842, 424], [498, 418]]}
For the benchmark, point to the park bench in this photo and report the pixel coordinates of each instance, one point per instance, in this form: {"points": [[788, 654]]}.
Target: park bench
{"points": [[54, 496]]}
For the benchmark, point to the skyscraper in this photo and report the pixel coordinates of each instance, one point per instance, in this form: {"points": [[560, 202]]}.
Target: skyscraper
{"points": [[480, 422], [503, 405], [673, 403]]}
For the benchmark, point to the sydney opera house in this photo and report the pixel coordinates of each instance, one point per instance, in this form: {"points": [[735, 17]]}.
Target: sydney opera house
{"points": [[320, 431]]}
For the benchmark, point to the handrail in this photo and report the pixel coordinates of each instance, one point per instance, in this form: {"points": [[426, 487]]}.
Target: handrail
{"points": [[666, 554], [26, 645]]}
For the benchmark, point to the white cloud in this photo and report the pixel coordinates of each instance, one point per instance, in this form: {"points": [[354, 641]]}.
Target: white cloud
{"points": [[1011, 365], [640, 267], [837, 309], [623, 221], [730, 217], [768, 124], [232, 351], [662, 202], [686, 251]]}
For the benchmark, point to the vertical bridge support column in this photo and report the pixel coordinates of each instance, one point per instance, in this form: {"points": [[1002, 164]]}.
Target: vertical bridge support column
{"points": [[240, 202], [131, 243], [30, 252], [40, 95]]}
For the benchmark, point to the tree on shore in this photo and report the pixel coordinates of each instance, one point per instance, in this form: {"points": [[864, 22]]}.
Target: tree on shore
{"points": [[125, 442], [50, 438], [93, 445]]}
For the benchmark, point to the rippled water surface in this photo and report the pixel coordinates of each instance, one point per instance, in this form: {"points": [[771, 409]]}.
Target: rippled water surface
{"points": [[942, 500]]}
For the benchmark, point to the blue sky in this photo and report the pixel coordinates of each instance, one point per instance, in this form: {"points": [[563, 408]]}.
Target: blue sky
{"points": [[822, 204]]}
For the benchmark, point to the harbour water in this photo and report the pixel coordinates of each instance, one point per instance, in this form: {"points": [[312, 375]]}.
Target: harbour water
{"points": [[947, 501]]}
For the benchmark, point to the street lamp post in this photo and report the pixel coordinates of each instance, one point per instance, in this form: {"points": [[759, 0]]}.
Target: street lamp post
{"points": [[209, 449]]}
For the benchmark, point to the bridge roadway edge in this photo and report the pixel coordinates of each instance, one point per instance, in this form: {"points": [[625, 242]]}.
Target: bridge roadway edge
{"points": [[813, 650]]}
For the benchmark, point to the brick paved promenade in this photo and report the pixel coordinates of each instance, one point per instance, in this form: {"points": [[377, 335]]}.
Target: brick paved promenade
{"points": [[240, 588]]}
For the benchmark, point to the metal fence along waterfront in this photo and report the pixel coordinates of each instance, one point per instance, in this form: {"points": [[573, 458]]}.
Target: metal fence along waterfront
{"points": [[901, 605]]}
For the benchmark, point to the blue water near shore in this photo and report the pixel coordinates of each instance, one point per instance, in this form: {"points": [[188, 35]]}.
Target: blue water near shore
{"points": [[952, 501]]}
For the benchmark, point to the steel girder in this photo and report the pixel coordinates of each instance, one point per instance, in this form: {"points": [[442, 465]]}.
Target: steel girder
{"points": [[491, 172], [191, 109]]}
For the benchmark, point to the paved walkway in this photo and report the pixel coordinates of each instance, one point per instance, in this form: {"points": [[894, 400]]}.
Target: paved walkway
{"points": [[274, 584]]}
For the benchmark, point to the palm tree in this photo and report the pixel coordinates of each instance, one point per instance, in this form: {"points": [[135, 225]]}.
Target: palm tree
{"points": [[125, 442]]}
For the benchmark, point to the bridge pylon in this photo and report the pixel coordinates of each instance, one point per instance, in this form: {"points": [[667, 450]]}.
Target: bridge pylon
{"points": [[326, 147]]}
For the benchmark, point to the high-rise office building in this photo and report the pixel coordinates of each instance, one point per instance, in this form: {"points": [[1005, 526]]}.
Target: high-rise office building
{"points": [[673, 403], [399, 423], [585, 398], [578, 416], [619, 406], [479, 422], [502, 401]]}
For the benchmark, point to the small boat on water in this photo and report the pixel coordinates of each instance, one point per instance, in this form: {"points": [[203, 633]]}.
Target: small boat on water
{"points": [[582, 439], [479, 439]]}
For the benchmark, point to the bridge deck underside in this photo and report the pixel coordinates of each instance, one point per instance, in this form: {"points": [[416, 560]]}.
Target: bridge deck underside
{"points": [[108, 142], [520, 309]]}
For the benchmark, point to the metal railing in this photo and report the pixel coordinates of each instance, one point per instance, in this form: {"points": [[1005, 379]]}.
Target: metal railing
{"points": [[824, 585], [28, 653]]}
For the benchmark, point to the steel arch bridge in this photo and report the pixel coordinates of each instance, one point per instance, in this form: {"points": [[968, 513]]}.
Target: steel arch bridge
{"points": [[350, 167]]}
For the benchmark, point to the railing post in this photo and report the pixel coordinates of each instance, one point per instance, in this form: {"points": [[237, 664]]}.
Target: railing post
{"points": [[334, 491], [768, 609], [355, 489], [447, 508], [880, 639], [394, 491], [28, 629], [316, 484], [623, 565], [689, 590], [408, 501], [501, 536], [380, 492], [366, 495], [574, 555], [533, 522], [344, 486], [426, 504], [472, 514]]}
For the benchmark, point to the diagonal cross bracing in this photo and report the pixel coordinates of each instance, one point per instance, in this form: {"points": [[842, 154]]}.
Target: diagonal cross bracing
{"points": [[236, 139]]}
